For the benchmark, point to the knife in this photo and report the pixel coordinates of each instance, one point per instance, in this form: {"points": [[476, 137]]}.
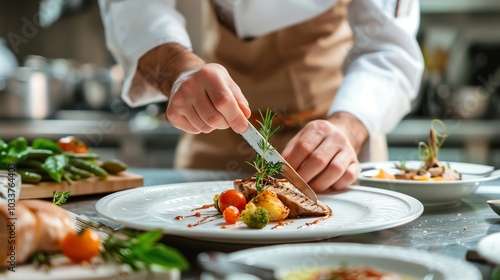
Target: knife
{"points": [[253, 137]]}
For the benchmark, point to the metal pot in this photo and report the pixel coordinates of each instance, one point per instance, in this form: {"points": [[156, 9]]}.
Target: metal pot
{"points": [[28, 95]]}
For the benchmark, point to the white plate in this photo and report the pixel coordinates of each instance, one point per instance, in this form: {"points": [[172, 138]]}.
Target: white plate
{"points": [[358, 210], [489, 248], [430, 193], [410, 262], [64, 269]]}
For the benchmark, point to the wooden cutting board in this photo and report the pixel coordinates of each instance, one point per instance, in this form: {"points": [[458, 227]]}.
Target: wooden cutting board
{"points": [[93, 185]]}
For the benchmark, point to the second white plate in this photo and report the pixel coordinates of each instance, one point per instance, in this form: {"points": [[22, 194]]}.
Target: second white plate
{"points": [[357, 210], [415, 264], [430, 193]]}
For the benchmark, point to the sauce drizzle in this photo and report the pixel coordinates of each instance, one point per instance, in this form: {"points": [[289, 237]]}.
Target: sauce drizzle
{"points": [[205, 206], [281, 224], [315, 222], [179, 218], [206, 220]]}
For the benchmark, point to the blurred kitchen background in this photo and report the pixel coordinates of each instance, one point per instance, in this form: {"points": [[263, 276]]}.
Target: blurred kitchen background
{"points": [[58, 79]]}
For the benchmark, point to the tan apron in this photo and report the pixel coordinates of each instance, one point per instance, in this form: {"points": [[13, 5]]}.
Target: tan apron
{"points": [[295, 71]]}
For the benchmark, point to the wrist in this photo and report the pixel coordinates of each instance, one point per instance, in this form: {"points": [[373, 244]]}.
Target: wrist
{"points": [[352, 127], [163, 65]]}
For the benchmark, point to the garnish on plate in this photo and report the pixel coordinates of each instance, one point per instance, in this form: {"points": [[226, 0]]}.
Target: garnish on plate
{"points": [[431, 169], [263, 198]]}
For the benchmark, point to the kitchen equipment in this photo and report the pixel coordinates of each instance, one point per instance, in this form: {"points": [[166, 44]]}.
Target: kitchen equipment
{"points": [[28, 95], [101, 86], [465, 102], [8, 62], [488, 248], [122, 181], [253, 137]]}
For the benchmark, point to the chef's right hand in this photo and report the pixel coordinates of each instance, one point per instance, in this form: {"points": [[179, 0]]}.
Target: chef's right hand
{"points": [[205, 99]]}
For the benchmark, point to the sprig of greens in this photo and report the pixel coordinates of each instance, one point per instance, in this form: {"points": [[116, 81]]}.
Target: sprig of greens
{"points": [[141, 251], [263, 167], [59, 198]]}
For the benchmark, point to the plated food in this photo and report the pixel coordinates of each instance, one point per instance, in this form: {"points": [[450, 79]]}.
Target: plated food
{"points": [[296, 261], [431, 169], [262, 198]]}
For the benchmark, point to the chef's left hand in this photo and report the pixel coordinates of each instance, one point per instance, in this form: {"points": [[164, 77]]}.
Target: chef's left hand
{"points": [[324, 152]]}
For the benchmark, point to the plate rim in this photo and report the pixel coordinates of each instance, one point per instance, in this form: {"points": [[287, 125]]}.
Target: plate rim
{"points": [[407, 254], [415, 210]]}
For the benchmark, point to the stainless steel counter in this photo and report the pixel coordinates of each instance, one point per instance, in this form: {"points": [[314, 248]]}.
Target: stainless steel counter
{"points": [[447, 231]]}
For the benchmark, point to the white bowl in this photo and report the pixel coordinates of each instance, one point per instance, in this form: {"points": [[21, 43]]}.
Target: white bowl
{"points": [[430, 193]]}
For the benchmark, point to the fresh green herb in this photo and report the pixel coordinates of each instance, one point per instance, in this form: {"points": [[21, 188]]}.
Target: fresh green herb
{"points": [[59, 198], [46, 144], [263, 167], [13, 149], [141, 251], [495, 275], [54, 165], [42, 260], [428, 152]]}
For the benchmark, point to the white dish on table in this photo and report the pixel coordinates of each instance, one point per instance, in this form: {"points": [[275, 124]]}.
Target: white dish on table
{"points": [[489, 248], [430, 193], [357, 210], [416, 264]]}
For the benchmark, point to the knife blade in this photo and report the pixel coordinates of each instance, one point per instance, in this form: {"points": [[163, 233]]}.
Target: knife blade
{"points": [[253, 137]]}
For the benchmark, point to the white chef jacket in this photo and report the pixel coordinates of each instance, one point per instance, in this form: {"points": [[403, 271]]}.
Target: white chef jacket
{"points": [[382, 70]]}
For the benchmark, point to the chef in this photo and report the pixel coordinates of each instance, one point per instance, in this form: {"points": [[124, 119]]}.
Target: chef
{"points": [[339, 74]]}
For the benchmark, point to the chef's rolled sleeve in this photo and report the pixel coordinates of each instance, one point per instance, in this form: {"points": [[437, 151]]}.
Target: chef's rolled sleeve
{"points": [[384, 67], [134, 27]]}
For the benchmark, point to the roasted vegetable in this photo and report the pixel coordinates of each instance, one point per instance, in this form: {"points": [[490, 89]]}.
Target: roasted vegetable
{"points": [[216, 203], [255, 217], [269, 200]]}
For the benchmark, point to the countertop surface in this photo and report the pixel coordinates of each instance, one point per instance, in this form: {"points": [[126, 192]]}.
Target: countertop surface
{"points": [[447, 231]]}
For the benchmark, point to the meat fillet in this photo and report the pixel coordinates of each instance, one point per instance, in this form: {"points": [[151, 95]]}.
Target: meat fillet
{"points": [[299, 204]]}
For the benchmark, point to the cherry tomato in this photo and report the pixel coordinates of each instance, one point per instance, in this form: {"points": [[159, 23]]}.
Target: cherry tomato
{"points": [[72, 144], [232, 198], [231, 215], [81, 247]]}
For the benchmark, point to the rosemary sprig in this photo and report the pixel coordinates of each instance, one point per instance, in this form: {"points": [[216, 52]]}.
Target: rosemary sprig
{"points": [[263, 167], [59, 198]]}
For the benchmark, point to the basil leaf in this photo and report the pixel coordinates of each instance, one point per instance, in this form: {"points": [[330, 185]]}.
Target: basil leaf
{"points": [[54, 165], [3, 145], [164, 256], [149, 238], [14, 147], [46, 144]]}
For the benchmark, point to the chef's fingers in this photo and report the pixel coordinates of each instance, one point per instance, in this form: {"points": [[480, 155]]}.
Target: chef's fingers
{"points": [[335, 170], [348, 177], [319, 159], [182, 123], [225, 102], [240, 98], [207, 112], [196, 121], [298, 149]]}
